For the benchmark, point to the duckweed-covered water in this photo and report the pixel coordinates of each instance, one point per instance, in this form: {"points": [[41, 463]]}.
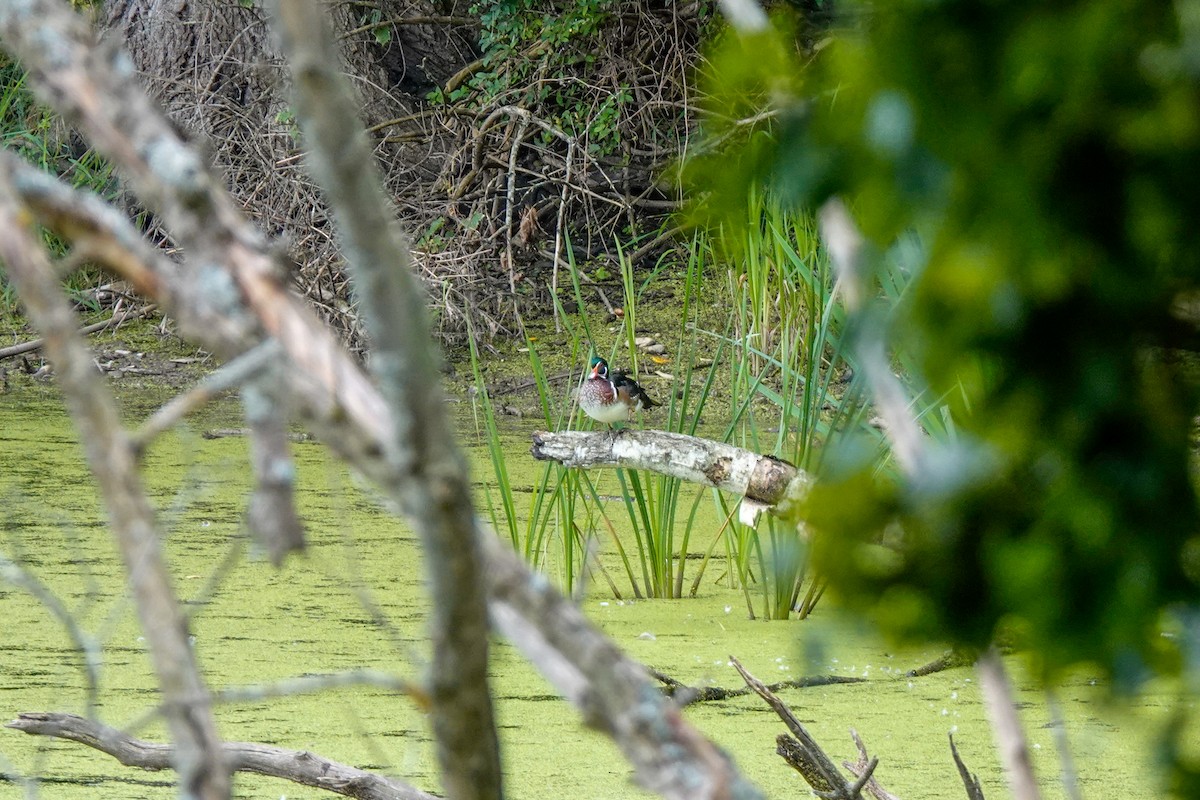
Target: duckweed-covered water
{"points": [[355, 601]]}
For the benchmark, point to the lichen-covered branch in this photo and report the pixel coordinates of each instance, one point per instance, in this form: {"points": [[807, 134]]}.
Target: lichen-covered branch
{"points": [[431, 480]]}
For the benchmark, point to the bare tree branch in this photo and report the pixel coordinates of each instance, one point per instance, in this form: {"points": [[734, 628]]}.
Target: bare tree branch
{"points": [[298, 766], [83, 643], [845, 244], [198, 759], [116, 319], [435, 491], [1058, 727], [228, 296], [860, 767], [811, 761], [271, 513], [613, 692]]}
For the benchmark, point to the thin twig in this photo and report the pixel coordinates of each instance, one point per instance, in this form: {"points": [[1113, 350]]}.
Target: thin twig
{"points": [[845, 245], [1058, 727], [509, 207], [970, 780], [222, 379], [559, 231]]}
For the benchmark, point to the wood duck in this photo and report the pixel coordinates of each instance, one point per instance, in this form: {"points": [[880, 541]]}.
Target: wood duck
{"points": [[611, 397]]}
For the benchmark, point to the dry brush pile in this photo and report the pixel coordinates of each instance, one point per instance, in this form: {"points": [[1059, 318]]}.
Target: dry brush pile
{"points": [[504, 132]]}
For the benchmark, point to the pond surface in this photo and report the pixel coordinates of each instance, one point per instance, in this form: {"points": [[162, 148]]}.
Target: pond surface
{"points": [[355, 601]]}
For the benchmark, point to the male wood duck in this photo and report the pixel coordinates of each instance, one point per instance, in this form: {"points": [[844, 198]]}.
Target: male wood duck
{"points": [[611, 397]]}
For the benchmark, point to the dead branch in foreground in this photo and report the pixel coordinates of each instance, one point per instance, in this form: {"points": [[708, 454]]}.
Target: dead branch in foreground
{"points": [[805, 756], [969, 779], [228, 296], [298, 766]]}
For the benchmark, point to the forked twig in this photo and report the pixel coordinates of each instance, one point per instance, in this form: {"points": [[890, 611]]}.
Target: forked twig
{"points": [[970, 780], [864, 768], [810, 760], [226, 377]]}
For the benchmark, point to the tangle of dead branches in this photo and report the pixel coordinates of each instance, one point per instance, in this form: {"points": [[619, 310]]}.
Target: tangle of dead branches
{"points": [[499, 155]]}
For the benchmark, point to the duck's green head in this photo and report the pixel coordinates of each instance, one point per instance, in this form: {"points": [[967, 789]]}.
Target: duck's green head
{"points": [[599, 367]]}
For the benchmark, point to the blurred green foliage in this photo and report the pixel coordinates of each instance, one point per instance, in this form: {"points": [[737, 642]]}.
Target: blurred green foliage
{"points": [[1047, 155]]}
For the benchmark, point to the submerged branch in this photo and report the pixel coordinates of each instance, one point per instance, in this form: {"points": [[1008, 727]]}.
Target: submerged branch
{"points": [[686, 695]]}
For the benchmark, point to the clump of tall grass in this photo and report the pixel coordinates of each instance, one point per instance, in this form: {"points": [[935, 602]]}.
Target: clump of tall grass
{"points": [[567, 511], [783, 360], [795, 390], [791, 381], [661, 526]]}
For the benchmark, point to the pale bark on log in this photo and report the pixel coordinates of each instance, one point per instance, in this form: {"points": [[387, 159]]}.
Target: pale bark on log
{"points": [[298, 766], [770, 482]]}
